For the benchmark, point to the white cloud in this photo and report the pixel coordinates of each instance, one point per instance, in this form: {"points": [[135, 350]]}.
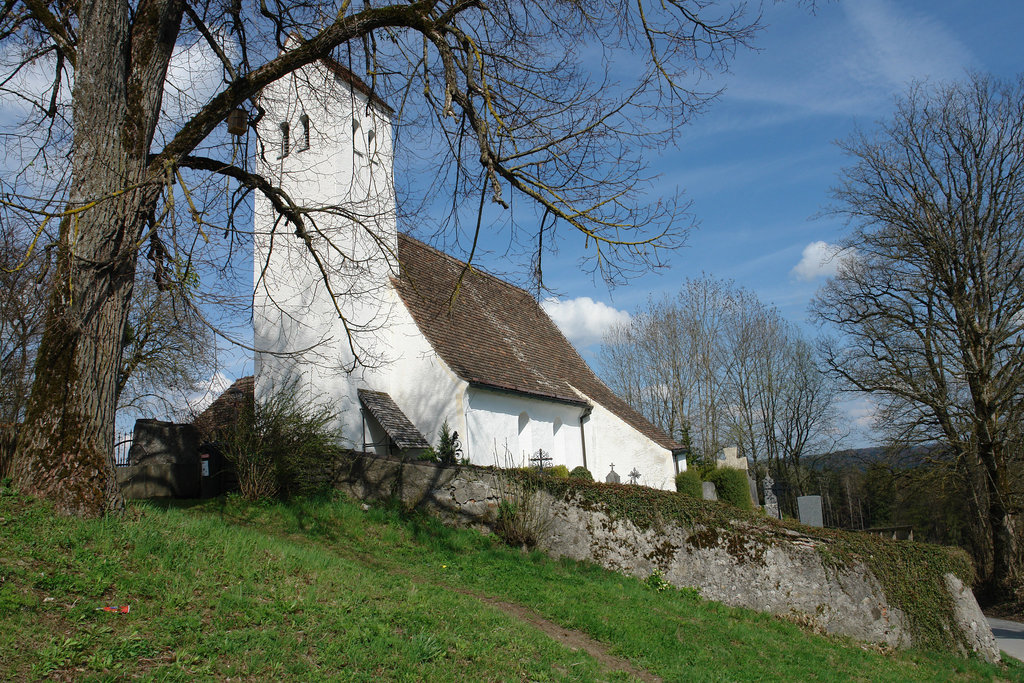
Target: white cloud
{"points": [[819, 259], [863, 52], [861, 412], [582, 320], [896, 46]]}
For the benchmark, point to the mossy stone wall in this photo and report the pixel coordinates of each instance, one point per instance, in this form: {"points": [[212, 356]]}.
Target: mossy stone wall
{"points": [[898, 593]]}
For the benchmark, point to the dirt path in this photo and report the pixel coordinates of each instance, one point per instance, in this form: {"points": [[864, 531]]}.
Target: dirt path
{"points": [[575, 640]]}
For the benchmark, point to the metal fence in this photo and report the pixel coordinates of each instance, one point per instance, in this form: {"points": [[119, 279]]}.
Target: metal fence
{"points": [[122, 444]]}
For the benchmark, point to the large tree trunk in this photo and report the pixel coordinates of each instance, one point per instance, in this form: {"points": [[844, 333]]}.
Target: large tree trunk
{"points": [[1005, 525], [65, 453]]}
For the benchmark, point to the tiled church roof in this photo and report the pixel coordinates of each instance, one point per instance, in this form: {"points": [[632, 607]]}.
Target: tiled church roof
{"points": [[496, 335], [223, 412]]}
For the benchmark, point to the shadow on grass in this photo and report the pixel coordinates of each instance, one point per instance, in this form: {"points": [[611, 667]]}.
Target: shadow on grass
{"points": [[173, 503]]}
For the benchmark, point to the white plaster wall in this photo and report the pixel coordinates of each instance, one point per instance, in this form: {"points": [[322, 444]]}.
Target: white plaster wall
{"points": [[492, 418], [420, 382], [611, 441], [299, 304]]}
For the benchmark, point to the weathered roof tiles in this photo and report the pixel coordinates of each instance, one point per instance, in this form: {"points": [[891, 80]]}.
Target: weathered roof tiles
{"points": [[494, 334]]}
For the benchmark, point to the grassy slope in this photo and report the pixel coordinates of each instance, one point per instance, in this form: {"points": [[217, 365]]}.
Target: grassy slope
{"points": [[321, 589]]}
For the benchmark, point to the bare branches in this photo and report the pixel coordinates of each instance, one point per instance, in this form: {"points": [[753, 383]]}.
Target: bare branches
{"points": [[932, 305], [57, 30], [526, 112], [716, 366], [282, 203]]}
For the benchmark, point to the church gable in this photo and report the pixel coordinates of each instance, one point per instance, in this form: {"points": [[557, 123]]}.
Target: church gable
{"points": [[495, 335]]}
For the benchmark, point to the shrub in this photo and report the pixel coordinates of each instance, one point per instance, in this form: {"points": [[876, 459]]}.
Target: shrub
{"points": [[523, 517], [689, 484], [732, 486], [449, 450], [657, 582], [560, 471], [581, 472], [282, 446]]}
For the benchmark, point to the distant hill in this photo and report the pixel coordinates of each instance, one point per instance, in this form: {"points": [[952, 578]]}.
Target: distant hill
{"points": [[862, 458]]}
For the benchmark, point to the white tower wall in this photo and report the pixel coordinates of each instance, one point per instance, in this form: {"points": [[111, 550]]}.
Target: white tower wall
{"points": [[324, 300]]}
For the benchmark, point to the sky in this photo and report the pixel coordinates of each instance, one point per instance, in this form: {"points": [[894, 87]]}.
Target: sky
{"points": [[759, 163]]}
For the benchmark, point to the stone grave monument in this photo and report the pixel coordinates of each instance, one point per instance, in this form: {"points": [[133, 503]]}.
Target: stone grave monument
{"points": [[810, 510], [771, 503]]}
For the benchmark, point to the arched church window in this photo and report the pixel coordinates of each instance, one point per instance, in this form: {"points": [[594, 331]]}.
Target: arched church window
{"points": [[304, 121], [285, 142], [525, 442]]}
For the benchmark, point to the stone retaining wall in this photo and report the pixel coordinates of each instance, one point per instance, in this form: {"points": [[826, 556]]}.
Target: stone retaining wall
{"points": [[781, 575]]}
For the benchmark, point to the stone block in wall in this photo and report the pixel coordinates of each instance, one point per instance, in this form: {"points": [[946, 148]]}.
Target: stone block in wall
{"points": [[155, 441], [159, 480], [438, 489]]}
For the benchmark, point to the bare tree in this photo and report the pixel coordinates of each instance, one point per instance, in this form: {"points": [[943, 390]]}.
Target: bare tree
{"points": [[21, 323], [930, 302], [168, 351], [512, 98], [804, 420], [717, 366]]}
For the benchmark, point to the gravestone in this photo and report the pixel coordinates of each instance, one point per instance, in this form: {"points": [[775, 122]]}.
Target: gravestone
{"points": [[752, 481], [810, 510], [771, 503], [709, 490], [731, 457], [613, 477]]}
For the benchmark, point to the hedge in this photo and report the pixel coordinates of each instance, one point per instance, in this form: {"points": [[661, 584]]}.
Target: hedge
{"points": [[581, 472], [732, 486], [688, 483]]}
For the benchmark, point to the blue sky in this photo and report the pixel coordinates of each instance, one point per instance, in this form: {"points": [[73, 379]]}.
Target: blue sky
{"points": [[758, 165]]}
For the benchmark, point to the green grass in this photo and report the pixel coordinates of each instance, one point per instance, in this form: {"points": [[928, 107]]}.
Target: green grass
{"points": [[320, 589]]}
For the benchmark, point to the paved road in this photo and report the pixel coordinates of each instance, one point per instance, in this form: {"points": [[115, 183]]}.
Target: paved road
{"points": [[1009, 635]]}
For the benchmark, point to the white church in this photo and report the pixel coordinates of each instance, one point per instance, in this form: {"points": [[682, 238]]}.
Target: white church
{"points": [[400, 337]]}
